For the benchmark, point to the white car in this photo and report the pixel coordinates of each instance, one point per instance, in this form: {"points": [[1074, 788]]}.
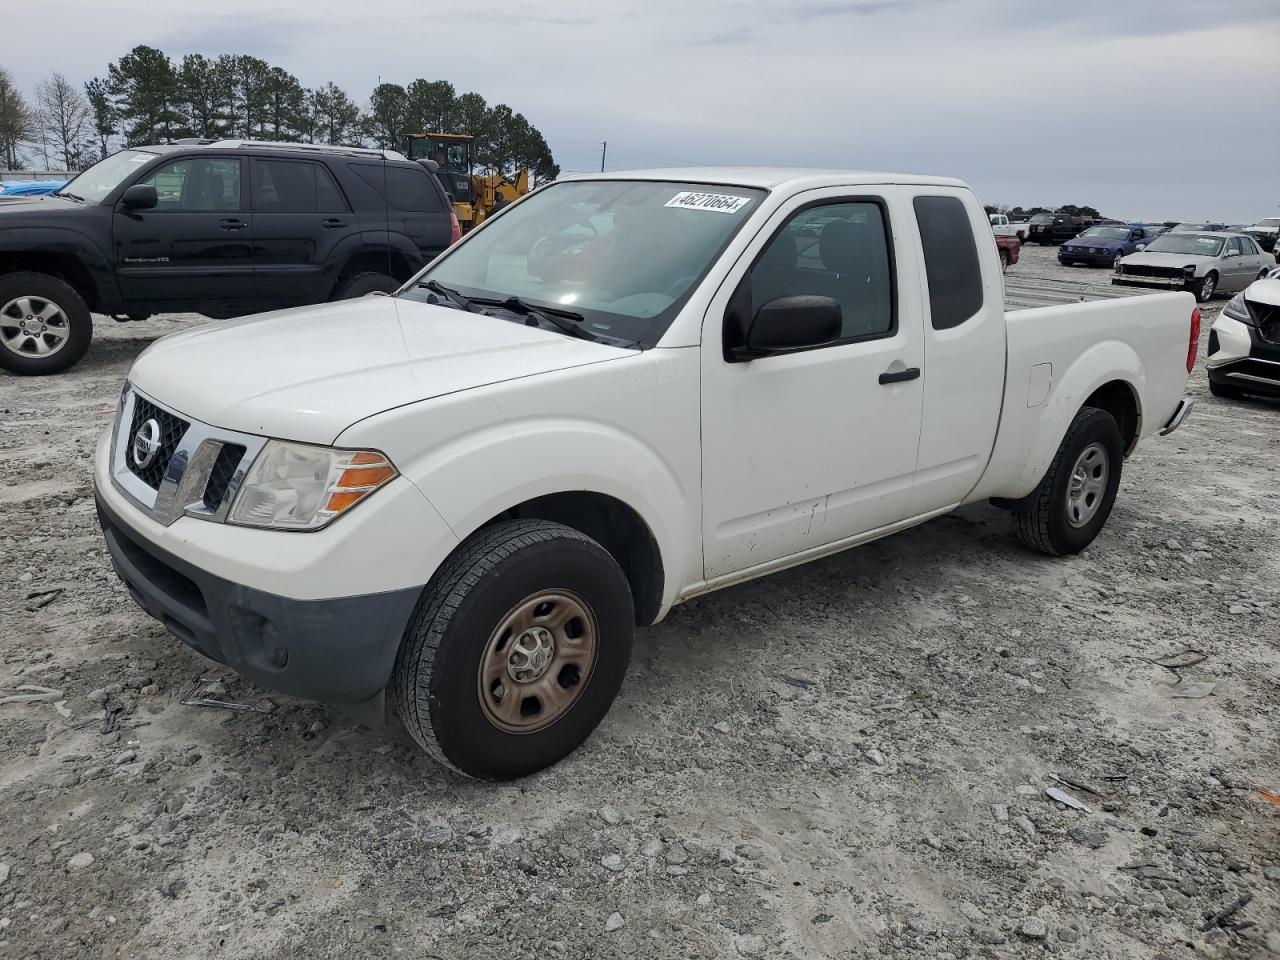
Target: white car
{"points": [[1205, 263], [621, 392], [1244, 342]]}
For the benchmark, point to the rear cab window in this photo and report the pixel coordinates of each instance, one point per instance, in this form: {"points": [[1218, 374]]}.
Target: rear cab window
{"points": [[952, 267]]}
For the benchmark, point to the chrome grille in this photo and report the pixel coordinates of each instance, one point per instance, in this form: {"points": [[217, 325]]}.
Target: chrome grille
{"points": [[171, 430], [197, 468]]}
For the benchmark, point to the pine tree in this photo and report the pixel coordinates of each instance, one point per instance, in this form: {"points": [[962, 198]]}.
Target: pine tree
{"points": [[144, 90]]}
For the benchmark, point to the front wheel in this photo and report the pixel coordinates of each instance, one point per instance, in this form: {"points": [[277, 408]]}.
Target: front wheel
{"points": [[1205, 291], [516, 649], [45, 325], [363, 284], [1072, 504]]}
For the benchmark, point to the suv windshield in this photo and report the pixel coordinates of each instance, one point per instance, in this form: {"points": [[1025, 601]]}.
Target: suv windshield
{"points": [[1042, 218], [1195, 244], [622, 254], [105, 175], [1107, 233]]}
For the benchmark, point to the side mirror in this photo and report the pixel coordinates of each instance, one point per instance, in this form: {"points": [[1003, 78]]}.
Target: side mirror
{"points": [[1231, 253], [141, 196], [788, 324], [1141, 246]]}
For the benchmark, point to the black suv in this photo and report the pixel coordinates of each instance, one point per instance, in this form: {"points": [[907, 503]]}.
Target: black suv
{"points": [[222, 229], [1056, 228]]}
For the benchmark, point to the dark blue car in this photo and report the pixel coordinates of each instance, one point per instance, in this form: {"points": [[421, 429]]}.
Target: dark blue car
{"points": [[1103, 245]]}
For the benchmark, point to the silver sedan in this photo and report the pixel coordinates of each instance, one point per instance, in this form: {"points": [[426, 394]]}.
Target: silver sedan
{"points": [[1203, 262]]}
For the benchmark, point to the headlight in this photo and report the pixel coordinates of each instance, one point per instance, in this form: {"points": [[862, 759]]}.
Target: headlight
{"points": [[1189, 269], [1237, 310], [296, 486]]}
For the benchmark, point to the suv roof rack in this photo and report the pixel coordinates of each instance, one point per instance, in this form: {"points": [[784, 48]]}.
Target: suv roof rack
{"points": [[309, 148]]}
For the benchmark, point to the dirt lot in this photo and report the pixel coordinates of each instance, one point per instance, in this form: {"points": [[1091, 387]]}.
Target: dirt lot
{"points": [[845, 760]]}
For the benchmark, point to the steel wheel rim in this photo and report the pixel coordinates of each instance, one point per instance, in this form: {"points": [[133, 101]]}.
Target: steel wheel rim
{"points": [[1088, 484], [538, 661], [33, 326]]}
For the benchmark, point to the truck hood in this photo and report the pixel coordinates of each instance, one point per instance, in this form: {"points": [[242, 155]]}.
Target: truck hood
{"points": [[41, 203], [1148, 259], [309, 373]]}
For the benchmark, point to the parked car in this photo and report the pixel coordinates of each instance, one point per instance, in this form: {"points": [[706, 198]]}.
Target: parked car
{"points": [[1009, 248], [1103, 245], [1055, 228], [1203, 263], [1002, 226], [1198, 228], [472, 491], [221, 229], [30, 188], [1244, 342], [1265, 232]]}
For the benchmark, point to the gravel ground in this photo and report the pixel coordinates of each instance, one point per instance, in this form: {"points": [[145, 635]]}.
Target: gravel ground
{"points": [[845, 760]]}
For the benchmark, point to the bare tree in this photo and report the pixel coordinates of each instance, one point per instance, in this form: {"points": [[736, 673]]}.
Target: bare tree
{"points": [[16, 121], [65, 122]]}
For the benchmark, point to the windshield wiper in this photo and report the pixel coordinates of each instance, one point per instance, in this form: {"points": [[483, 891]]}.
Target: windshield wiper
{"points": [[73, 196], [566, 321], [457, 299]]}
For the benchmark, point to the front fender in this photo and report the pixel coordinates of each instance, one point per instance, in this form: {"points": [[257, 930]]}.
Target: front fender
{"points": [[33, 242], [476, 476]]}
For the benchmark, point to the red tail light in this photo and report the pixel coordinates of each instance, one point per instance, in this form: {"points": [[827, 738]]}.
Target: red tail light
{"points": [[1194, 343], [455, 232]]}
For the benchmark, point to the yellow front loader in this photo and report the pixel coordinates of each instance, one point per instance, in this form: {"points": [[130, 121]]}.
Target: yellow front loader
{"points": [[474, 195]]}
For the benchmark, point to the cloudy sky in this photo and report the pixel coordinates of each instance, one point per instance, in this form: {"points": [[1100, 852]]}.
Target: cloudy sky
{"points": [[1146, 108]]}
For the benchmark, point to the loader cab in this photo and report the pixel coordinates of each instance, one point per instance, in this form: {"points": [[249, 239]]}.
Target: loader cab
{"points": [[452, 155]]}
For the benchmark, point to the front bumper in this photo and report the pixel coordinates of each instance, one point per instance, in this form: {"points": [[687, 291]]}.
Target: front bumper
{"points": [[338, 650], [1104, 259], [1156, 283], [1240, 357]]}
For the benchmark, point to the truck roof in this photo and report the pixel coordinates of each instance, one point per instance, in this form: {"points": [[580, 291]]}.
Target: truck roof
{"points": [[772, 177]]}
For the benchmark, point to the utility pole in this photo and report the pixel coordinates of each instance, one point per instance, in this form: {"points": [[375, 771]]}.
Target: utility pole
{"points": [[604, 148]]}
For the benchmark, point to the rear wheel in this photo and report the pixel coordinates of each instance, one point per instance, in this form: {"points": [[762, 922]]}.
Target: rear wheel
{"points": [[45, 325], [1207, 287], [363, 284], [516, 650], [1072, 504]]}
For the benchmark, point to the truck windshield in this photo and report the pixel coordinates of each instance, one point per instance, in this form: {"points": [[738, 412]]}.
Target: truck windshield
{"points": [[1268, 222], [1042, 218], [104, 176], [622, 254], [1192, 243]]}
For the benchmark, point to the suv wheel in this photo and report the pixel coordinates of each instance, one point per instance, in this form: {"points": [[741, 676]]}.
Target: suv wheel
{"points": [[1072, 504], [516, 649], [363, 284], [45, 325]]}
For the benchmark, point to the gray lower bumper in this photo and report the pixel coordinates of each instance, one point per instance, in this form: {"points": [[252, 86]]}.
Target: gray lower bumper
{"points": [[338, 651], [1179, 414]]}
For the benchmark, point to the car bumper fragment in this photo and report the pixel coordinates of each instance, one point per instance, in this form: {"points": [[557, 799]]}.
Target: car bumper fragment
{"points": [[1180, 413]]}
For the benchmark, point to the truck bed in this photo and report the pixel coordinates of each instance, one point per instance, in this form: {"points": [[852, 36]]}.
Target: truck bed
{"points": [[1023, 292]]}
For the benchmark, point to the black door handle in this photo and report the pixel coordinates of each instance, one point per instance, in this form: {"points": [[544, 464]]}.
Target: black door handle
{"points": [[332, 224], [900, 376], [232, 224]]}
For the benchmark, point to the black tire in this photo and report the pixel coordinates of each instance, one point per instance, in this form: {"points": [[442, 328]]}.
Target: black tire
{"points": [[18, 353], [363, 284], [1042, 521], [1223, 391], [436, 685], [1207, 287], [1004, 260]]}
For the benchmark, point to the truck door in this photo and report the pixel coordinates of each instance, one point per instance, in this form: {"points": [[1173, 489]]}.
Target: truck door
{"points": [[804, 449], [195, 245], [964, 350], [300, 218]]}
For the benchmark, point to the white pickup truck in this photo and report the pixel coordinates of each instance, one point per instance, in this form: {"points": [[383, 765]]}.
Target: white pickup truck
{"points": [[1001, 226], [622, 392]]}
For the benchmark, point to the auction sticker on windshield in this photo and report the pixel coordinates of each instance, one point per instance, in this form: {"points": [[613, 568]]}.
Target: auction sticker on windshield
{"points": [[716, 202]]}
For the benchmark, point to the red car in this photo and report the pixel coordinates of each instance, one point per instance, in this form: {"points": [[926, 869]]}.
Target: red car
{"points": [[1009, 248]]}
